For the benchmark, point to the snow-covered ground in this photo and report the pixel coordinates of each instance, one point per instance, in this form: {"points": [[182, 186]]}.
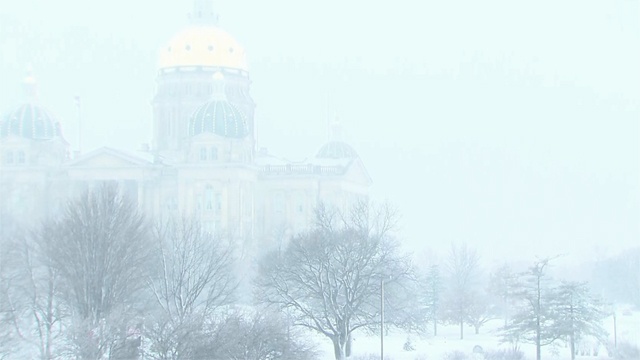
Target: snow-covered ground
{"points": [[437, 347]]}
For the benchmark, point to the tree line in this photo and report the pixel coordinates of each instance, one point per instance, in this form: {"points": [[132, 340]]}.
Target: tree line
{"points": [[535, 308], [102, 281]]}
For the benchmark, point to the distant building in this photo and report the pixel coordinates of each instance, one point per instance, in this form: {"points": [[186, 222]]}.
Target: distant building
{"points": [[204, 160]]}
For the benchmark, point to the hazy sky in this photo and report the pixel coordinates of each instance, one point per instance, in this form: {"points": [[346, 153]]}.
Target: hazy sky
{"points": [[511, 125]]}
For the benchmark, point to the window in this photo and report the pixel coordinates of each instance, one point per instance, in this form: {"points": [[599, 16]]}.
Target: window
{"points": [[8, 157], [21, 157], [218, 202], [203, 154], [208, 195], [214, 153]]}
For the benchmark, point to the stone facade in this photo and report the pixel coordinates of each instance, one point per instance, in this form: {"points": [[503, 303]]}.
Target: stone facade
{"points": [[217, 174]]}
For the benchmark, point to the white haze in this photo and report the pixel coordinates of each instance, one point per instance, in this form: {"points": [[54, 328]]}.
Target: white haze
{"points": [[512, 126]]}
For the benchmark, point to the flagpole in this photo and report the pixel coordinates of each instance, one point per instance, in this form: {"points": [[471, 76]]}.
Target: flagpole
{"points": [[77, 99]]}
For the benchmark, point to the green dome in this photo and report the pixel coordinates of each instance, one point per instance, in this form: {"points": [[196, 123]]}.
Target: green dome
{"points": [[219, 117], [30, 121], [336, 150]]}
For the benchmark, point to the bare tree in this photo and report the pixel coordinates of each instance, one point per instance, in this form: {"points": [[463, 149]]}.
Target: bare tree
{"points": [[480, 311], [7, 274], [194, 277], [433, 288], [257, 335], [330, 277], [462, 269], [34, 295], [100, 248], [501, 286]]}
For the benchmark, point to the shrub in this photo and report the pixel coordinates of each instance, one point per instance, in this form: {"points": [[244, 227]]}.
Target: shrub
{"points": [[455, 355], [369, 357], [626, 351], [504, 354], [408, 345]]}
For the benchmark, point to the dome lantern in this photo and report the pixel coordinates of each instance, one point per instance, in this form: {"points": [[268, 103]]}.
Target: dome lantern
{"points": [[336, 147], [203, 13], [30, 86]]}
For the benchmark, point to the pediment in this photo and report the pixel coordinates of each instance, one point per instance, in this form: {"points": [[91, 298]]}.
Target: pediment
{"points": [[109, 158]]}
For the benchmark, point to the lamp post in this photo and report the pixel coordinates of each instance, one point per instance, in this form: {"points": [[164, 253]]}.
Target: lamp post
{"points": [[382, 279], [381, 318], [615, 331]]}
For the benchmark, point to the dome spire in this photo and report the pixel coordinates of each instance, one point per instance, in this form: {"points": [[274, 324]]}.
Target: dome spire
{"points": [[30, 85], [336, 132], [203, 13]]}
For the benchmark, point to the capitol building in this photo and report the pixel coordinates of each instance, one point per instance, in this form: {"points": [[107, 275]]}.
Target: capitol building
{"points": [[204, 160]]}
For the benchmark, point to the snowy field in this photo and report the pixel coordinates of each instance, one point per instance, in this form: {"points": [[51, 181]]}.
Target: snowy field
{"points": [[436, 348]]}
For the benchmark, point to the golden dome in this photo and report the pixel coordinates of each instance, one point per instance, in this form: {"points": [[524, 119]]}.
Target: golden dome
{"points": [[203, 46]]}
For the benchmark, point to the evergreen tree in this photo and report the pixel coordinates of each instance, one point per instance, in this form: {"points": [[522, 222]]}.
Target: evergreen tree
{"points": [[533, 321], [578, 313]]}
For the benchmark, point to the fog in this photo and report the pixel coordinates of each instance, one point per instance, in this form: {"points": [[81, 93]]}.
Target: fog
{"points": [[510, 126]]}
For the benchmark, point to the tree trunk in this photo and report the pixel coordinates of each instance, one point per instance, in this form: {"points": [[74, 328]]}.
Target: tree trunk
{"points": [[347, 349], [338, 348], [435, 327], [572, 344], [461, 330], [477, 327]]}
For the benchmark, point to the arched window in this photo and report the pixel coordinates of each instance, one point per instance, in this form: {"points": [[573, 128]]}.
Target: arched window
{"points": [[21, 157], [203, 154], [214, 153]]}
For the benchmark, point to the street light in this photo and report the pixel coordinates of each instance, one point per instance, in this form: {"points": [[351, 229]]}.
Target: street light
{"points": [[381, 318], [382, 278]]}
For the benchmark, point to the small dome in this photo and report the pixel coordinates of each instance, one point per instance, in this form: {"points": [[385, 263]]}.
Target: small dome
{"points": [[219, 117], [203, 46], [30, 121], [336, 150]]}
